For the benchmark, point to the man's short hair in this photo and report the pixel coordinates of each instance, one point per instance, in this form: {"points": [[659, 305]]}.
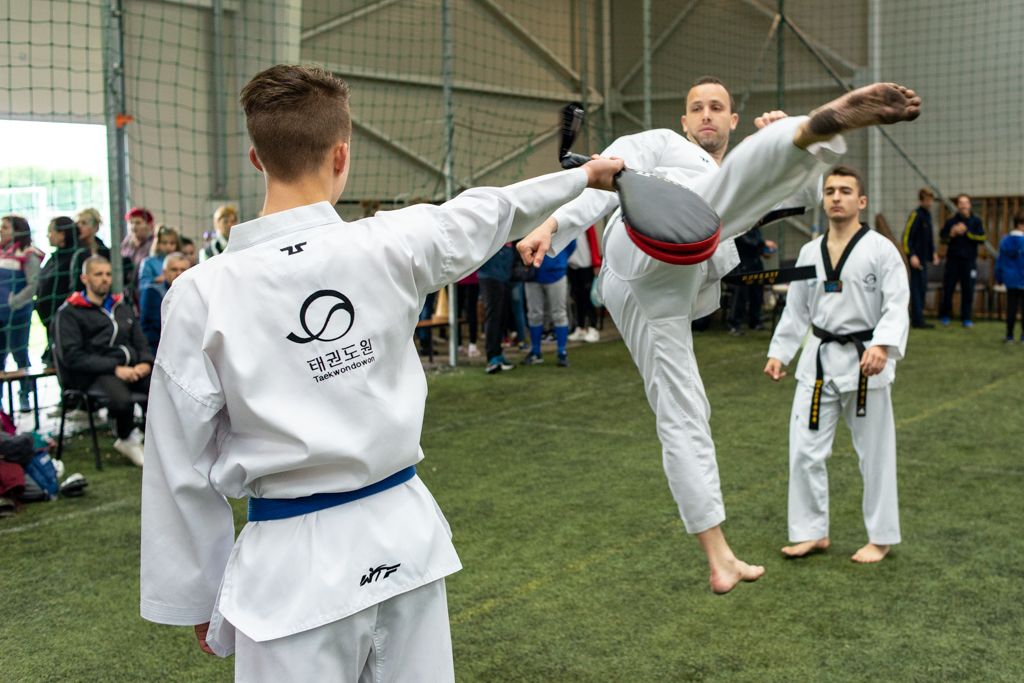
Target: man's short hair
{"points": [[956, 200], [294, 115], [1018, 219], [925, 193], [849, 172], [97, 259], [174, 256], [705, 80]]}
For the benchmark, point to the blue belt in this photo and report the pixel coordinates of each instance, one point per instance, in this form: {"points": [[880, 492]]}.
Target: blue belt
{"points": [[264, 509]]}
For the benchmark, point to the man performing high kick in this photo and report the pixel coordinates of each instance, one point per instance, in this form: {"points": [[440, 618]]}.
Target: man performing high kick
{"points": [[653, 302]]}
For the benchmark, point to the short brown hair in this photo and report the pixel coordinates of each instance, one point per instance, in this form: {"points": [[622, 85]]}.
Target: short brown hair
{"points": [[294, 115], [1018, 219], [705, 80], [849, 172], [925, 193]]}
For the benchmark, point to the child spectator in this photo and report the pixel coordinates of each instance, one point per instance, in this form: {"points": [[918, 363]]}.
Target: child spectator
{"points": [[167, 241], [549, 292]]}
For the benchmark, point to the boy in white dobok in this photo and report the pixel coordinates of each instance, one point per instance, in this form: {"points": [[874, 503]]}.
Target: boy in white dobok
{"points": [[856, 314], [287, 374], [653, 302]]}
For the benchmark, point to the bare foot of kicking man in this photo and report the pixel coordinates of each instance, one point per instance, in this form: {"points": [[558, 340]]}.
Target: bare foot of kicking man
{"points": [[806, 548], [726, 569], [872, 105], [871, 553]]}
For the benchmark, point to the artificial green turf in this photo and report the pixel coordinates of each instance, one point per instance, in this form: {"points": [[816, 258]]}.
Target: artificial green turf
{"points": [[577, 567]]}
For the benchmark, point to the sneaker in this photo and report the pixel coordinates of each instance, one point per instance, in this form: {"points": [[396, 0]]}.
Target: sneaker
{"points": [[24, 403], [579, 334], [968, 323], [944, 321], [472, 351], [136, 436], [523, 346], [592, 335], [533, 359], [735, 332], [130, 450], [563, 360], [1008, 340]]}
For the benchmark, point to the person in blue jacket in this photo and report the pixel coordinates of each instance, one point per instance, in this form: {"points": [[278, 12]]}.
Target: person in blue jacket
{"points": [[1010, 272], [152, 296]]}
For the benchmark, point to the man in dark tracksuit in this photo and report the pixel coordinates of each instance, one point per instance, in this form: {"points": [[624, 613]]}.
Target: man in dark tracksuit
{"points": [[747, 300], [99, 344], [919, 248], [963, 233]]}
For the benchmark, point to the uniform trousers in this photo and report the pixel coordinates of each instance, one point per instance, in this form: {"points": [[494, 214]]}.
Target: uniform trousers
{"points": [[874, 439], [404, 638], [918, 292]]}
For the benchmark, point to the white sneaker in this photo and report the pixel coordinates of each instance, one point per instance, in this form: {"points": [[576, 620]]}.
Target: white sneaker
{"points": [[592, 335], [130, 450], [578, 334], [473, 352], [136, 436]]}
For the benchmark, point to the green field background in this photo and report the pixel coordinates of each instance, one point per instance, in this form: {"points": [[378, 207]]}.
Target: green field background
{"points": [[577, 567]]}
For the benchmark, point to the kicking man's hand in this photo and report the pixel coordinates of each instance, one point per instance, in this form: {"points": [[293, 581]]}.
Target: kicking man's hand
{"points": [[601, 171], [873, 361], [774, 369], [769, 117], [201, 630], [534, 246]]}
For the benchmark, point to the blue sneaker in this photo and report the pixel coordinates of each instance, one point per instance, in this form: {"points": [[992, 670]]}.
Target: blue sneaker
{"points": [[563, 360], [944, 321], [498, 364], [968, 323]]}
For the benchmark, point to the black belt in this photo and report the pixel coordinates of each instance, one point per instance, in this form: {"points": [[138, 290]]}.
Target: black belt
{"points": [[855, 338]]}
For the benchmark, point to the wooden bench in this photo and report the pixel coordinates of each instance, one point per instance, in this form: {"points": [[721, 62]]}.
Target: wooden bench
{"points": [[30, 374]]}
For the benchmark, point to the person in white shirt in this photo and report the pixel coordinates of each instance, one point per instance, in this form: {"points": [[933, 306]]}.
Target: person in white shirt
{"points": [[287, 373], [653, 302], [856, 314]]}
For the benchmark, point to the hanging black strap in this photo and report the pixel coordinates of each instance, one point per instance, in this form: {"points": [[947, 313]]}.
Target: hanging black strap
{"points": [[855, 338], [832, 281]]}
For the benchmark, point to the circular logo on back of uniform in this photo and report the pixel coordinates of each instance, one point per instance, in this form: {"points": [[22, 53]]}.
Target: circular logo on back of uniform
{"points": [[325, 315]]}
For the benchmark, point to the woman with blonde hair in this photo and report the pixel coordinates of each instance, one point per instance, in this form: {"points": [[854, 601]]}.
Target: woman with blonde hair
{"points": [[224, 218]]}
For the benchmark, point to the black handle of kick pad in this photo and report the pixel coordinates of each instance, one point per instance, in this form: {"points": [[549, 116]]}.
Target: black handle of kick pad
{"points": [[571, 160]]}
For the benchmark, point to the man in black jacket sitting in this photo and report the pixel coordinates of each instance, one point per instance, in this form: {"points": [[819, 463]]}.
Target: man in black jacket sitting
{"points": [[99, 345]]}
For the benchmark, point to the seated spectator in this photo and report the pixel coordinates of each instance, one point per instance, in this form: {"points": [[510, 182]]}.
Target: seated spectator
{"points": [[55, 279], [137, 245], [167, 240], [188, 248], [224, 218], [19, 275], [99, 345], [174, 265]]}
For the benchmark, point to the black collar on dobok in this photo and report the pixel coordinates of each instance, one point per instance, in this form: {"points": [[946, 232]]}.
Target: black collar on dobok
{"points": [[855, 338], [832, 281]]}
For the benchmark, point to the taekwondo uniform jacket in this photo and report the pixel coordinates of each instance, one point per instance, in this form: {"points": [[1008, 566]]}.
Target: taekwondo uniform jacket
{"points": [[874, 295], [672, 156], [287, 368]]}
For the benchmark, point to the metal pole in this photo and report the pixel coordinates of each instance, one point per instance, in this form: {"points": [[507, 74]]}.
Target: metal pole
{"points": [[647, 65], [220, 124], [780, 64], [584, 61], [447, 69], [606, 66], [874, 137], [117, 148]]}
